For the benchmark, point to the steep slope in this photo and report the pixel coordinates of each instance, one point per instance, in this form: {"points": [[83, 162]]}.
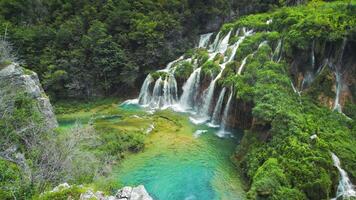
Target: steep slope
{"points": [[292, 73]]}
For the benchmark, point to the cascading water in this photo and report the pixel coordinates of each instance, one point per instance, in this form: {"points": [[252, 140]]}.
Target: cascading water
{"points": [[217, 111], [190, 91], [215, 43], [243, 63], [169, 91], [165, 92], [145, 94], [224, 43], [208, 93], [345, 188], [338, 76], [337, 105], [157, 94], [204, 40], [277, 54], [222, 132], [237, 44]]}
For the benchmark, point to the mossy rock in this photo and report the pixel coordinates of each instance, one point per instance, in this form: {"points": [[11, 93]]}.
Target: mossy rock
{"points": [[72, 192], [210, 68], [157, 74], [184, 70]]}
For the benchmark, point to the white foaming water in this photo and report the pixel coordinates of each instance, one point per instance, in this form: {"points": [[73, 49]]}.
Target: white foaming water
{"points": [[190, 90], [208, 97], [215, 43], [278, 51], [145, 94], [243, 63], [237, 44], [130, 102], [204, 40], [226, 115], [157, 94], [163, 93], [150, 129], [337, 105], [198, 133], [217, 111], [345, 188], [224, 43]]}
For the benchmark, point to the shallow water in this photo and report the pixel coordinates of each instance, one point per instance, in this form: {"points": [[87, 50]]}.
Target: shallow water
{"points": [[178, 165]]}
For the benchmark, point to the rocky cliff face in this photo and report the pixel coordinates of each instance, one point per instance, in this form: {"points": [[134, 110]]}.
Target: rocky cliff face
{"points": [[15, 80]]}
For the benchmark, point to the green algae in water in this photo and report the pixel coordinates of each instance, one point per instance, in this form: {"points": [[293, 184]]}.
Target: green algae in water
{"points": [[177, 166]]}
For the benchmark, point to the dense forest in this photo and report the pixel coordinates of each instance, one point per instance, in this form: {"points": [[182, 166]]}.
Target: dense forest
{"points": [[236, 99], [96, 48]]}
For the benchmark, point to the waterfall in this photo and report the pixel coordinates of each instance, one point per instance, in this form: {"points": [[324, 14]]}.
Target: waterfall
{"points": [[169, 65], [308, 78], [337, 105], [237, 44], [295, 89], [169, 91], [215, 43], [156, 95], [222, 47], [222, 130], [217, 111], [243, 63], [190, 90], [204, 40], [277, 54], [208, 97], [338, 77], [145, 94], [226, 111], [313, 55], [345, 188]]}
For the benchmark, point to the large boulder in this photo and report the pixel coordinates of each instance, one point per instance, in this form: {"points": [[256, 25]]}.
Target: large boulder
{"points": [[15, 80]]}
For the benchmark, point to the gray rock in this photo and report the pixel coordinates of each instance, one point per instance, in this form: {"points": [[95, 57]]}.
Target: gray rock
{"points": [[140, 193], [133, 193], [15, 80], [124, 193]]}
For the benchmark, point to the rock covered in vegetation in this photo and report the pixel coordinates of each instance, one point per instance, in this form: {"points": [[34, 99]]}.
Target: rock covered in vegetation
{"points": [[15, 80], [67, 191]]}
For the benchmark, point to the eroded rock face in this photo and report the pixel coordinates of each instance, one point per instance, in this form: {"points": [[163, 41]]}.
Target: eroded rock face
{"points": [[126, 193], [15, 80]]}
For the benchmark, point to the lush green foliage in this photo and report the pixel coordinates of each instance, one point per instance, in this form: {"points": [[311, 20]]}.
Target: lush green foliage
{"points": [[86, 48], [183, 70], [278, 154]]}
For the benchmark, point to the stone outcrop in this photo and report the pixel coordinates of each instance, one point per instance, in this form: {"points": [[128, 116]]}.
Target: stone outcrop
{"points": [[15, 80], [126, 193]]}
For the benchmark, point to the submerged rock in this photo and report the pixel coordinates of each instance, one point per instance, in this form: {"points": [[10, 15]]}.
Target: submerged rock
{"points": [[15, 80]]}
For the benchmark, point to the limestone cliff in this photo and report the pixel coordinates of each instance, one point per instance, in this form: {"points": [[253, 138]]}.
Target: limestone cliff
{"points": [[15, 80]]}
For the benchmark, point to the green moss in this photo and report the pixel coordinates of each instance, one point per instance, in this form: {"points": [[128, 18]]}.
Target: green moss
{"points": [[210, 68], [267, 180], [157, 74], [12, 182], [201, 55], [321, 89], [184, 70], [63, 194], [5, 64]]}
